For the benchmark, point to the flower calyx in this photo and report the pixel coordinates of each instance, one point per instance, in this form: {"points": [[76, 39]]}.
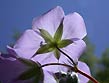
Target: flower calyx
{"points": [[52, 43]]}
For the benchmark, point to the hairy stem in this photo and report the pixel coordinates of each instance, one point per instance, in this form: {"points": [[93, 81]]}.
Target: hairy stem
{"points": [[88, 76]]}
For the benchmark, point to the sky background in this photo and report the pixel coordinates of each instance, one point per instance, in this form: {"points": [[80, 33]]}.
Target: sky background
{"points": [[17, 15]]}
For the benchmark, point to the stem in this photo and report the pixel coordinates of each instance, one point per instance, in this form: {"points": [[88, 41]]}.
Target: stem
{"points": [[88, 76], [58, 64], [67, 56]]}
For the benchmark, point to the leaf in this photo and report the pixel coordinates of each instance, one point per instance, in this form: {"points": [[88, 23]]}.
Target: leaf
{"points": [[64, 43], [59, 32], [47, 37], [57, 53]]}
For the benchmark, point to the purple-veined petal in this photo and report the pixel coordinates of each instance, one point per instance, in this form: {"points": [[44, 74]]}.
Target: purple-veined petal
{"points": [[63, 59], [75, 49], [45, 59], [27, 44], [48, 77], [49, 21], [83, 67], [10, 70], [74, 26]]}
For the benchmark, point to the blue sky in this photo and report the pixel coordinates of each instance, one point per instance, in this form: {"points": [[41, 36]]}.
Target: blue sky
{"points": [[17, 15]]}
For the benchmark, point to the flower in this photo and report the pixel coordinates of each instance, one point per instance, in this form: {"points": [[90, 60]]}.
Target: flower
{"points": [[51, 31]]}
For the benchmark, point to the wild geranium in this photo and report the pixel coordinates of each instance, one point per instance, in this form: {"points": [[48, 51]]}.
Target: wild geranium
{"points": [[51, 31], [52, 38]]}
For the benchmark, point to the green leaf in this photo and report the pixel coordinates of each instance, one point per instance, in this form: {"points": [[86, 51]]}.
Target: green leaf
{"points": [[59, 32], [47, 37], [64, 43], [27, 62], [57, 53]]}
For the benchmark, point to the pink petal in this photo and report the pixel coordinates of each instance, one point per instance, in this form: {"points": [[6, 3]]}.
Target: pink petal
{"points": [[74, 51], [63, 59], [27, 44], [45, 59], [83, 67], [49, 21], [74, 26]]}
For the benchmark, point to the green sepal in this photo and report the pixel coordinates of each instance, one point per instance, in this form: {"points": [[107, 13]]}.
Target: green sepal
{"points": [[59, 32], [64, 43], [57, 53], [32, 73], [45, 49], [45, 34]]}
